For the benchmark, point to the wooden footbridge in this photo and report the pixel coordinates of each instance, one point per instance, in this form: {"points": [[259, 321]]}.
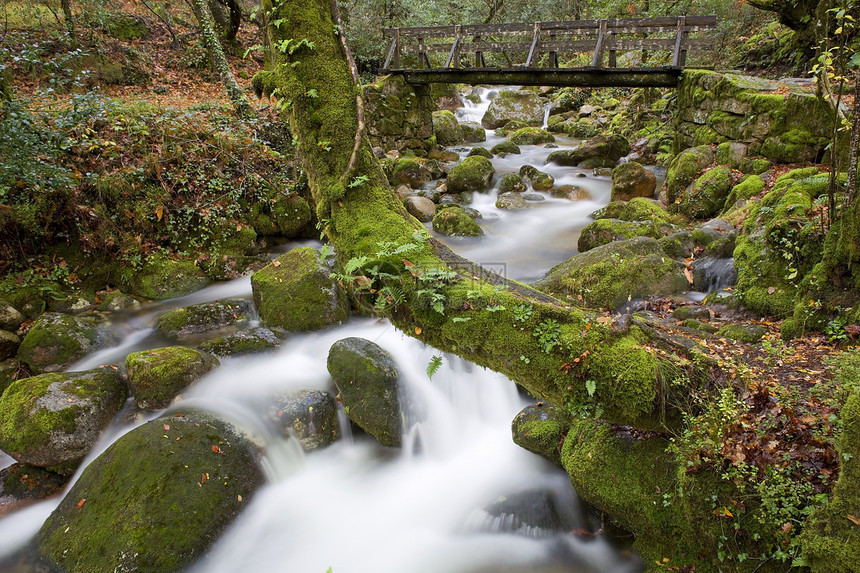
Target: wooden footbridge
{"points": [[530, 53]]}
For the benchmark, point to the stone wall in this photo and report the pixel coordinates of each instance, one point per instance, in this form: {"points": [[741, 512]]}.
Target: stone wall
{"points": [[398, 115], [784, 122]]}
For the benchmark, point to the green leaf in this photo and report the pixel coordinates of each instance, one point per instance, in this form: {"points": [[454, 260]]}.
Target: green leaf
{"points": [[433, 366], [854, 62], [461, 319], [590, 387]]}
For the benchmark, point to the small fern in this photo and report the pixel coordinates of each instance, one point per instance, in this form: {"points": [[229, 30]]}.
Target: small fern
{"points": [[433, 366]]}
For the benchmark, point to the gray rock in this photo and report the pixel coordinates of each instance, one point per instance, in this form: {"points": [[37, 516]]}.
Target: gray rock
{"points": [[9, 343], [421, 208], [511, 200], [309, 414], [203, 317], [249, 341], [57, 340], [10, 318]]}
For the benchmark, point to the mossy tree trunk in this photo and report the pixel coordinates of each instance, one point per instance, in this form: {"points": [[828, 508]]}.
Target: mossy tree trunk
{"points": [[66, 6], [559, 353], [219, 60]]}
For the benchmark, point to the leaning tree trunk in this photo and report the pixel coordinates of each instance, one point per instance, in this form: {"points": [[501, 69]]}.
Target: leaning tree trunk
{"points": [[559, 353], [219, 60]]}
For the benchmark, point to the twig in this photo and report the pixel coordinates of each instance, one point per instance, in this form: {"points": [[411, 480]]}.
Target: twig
{"points": [[359, 101]]}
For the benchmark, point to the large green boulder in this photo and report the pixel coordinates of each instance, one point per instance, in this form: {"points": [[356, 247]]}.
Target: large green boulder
{"points": [[162, 277], [512, 183], [522, 105], [637, 209], [531, 136], [631, 180], [367, 380], [455, 222], [156, 376], [600, 151], [53, 420], [156, 500], [604, 231], [447, 129], [686, 168], [706, 196], [539, 180], [58, 340], [473, 132], [610, 275], [204, 317], [296, 292], [409, 171], [472, 174]]}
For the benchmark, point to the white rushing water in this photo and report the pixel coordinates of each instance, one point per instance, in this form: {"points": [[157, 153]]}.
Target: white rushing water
{"points": [[357, 507]]}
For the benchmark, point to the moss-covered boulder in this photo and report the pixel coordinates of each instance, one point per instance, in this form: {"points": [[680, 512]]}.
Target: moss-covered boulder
{"points": [[10, 317], [58, 340], [9, 343], [631, 180], [421, 208], [511, 127], [473, 132], [53, 420], [455, 222], [512, 183], [249, 341], [203, 317], [280, 214], [610, 275], [308, 414], [155, 500], [124, 26], [541, 428], [832, 536], [691, 311], [506, 147], [746, 333], [571, 193], [604, 231], [472, 174], [156, 376], [447, 129], [637, 209], [522, 105], [746, 189], [539, 180], [600, 151], [482, 151], [367, 380], [163, 277], [409, 171], [779, 244], [686, 168], [511, 200], [531, 136], [296, 292], [706, 196]]}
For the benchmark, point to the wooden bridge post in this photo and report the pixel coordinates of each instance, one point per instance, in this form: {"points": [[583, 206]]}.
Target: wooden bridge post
{"points": [[553, 54], [534, 51], [454, 55], [679, 58], [479, 56], [397, 48], [422, 54], [597, 61], [613, 54]]}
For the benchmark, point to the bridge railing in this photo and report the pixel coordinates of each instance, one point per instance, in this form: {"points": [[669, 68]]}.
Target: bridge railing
{"points": [[524, 45]]}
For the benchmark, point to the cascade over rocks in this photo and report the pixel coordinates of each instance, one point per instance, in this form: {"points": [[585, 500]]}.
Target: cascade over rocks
{"points": [[367, 380], [154, 503], [53, 420]]}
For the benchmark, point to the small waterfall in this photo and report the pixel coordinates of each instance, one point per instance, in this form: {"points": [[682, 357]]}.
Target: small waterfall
{"points": [[547, 109]]}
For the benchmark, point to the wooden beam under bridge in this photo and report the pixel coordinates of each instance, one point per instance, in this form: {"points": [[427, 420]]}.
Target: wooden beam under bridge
{"points": [[578, 77]]}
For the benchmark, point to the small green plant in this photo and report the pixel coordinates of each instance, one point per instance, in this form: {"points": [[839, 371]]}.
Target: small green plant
{"points": [[522, 312], [358, 181], [433, 366], [547, 333]]}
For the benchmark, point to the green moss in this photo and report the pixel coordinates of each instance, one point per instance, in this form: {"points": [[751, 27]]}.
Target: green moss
{"points": [[539, 180], [506, 147], [447, 129], [531, 136], [512, 183], [637, 209], [604, 231], [685, 168], [163, 277], [455, 222], [156, 376], [748, 334], [748, 188], [472, 174], [706, 197], [152, 502], [57, 340], [483, 151], [541, 429], [202, 317]]}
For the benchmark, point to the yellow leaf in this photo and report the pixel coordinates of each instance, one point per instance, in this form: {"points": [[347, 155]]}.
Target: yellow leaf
{"points": [[417, 330], [159, 212], [689, 275], [276, 263], [853, 519]]}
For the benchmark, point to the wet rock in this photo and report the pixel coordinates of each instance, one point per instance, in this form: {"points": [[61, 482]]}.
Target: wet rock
{"points": [[309, 414], [531, 136], [443, 155], [713, 274], [27, 483], [691, 311], [203, 317], [706, 196], [10, 318], [9, 343], [678, 245], [697, 324], [506, 147], [57, 340], [746, 333], [539, 180], [421, 208], [604, 231], [685, 168], [447, 129], [522, 105], [156, 376], [637, 209], [533, 197], [367, 379], [473, 213], [512, 183], [511, 200], [571, 193], [610, 275], [540, 428], [115, 301], [151, 503], [455, 222], [511, 127], [250, 341], [410, 172], [482, 151], [9, 372], [600, 151], [53, 420], [473, 132], [472, 174], [296, 292], [631, 180]]}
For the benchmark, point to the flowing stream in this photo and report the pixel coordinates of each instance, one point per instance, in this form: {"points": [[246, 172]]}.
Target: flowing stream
{"points": [[459, 497]]}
